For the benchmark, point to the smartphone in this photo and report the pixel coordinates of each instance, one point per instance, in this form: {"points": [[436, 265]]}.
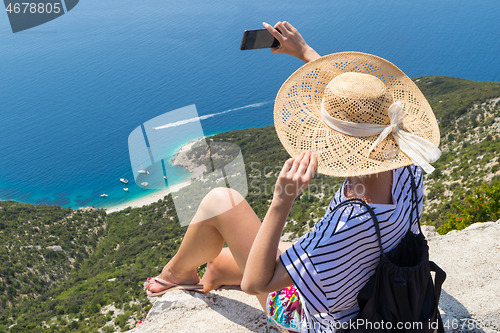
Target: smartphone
{"points": [[258, 39]]}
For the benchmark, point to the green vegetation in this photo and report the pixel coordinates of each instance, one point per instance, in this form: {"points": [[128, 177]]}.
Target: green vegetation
{"points": [[136, 243], [468, 114], [41, 245], [79, 271], [451, 98], [482, 205]]}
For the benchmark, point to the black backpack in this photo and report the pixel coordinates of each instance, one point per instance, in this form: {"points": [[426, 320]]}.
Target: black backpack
{"points": [[401, 296]]}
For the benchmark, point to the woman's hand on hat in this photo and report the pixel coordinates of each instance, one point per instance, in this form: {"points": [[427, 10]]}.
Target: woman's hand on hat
{"points": [[294, 177], [291, 42]]}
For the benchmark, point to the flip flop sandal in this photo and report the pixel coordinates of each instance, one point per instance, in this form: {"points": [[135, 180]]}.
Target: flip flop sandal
{"points": [[172, 286], [229, 287]]}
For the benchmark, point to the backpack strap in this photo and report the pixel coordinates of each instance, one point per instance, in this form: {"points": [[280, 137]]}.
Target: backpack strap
{"points": [[414, 201], [440, 274], [373, 216], [438, 279], [438, 282]]}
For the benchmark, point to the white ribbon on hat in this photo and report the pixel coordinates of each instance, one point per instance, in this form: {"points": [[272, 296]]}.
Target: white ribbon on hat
{"points": [[421, 151]]}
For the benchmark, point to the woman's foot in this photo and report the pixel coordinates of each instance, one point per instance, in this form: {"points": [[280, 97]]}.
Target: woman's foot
{"points": [[168, 276]]}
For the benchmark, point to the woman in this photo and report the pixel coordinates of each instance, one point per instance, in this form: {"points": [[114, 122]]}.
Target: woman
{"points": [[346, 114]]}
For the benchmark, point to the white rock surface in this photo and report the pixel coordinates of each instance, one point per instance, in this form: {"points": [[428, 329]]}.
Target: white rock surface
{"points": [[429, 231], [471, 292], [470, 301], [55, 248], [219, 311]]}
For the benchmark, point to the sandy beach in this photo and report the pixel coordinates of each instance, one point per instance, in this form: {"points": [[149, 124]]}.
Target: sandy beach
{"points": [[139, 202], [179, 159]]}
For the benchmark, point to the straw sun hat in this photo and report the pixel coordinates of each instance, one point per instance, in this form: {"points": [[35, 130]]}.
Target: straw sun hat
{"points": [[359, 113]]}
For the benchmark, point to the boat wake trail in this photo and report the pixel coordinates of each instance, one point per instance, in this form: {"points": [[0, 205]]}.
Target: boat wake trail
{"points": [[194, 119]]}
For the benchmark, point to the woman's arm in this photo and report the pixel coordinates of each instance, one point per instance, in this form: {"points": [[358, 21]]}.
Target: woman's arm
{"points": [[291, 42], [263, 271]]}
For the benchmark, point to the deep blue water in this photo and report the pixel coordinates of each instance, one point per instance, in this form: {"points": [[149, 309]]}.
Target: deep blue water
{"points": [[72, 90]]}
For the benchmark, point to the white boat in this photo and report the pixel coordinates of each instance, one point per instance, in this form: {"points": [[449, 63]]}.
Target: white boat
{"points": [[125, 189], [124, 181], [144, 184], [104, 195], [144, 172], [165, 177]]}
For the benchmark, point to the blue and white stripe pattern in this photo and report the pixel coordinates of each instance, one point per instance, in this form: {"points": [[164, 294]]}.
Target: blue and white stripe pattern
{"points": [[332, 263]]}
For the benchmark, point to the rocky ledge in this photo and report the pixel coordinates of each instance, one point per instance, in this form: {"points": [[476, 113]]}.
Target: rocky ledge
{"points": [[469, 300]]}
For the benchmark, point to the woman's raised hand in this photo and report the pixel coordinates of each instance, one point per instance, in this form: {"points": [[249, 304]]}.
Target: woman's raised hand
{"points": [[294, 178], [291, 42]]}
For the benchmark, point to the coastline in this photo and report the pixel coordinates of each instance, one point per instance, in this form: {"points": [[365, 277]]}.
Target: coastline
{"points": [[178, 159], [146, 200]]}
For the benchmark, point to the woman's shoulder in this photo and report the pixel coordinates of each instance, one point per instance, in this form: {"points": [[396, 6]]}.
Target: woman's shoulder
{"points": [[402, 179], [402, 174], [341, 214]]}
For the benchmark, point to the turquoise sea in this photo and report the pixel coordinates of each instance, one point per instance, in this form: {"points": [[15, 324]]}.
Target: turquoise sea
{"points": [[72, 90]]}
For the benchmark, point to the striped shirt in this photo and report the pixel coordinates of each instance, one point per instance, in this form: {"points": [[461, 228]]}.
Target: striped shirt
{"points": [[332, 263]]}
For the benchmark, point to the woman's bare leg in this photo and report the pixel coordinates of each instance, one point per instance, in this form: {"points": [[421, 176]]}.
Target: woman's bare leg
{"points": [[237, 226], [222, 270]]}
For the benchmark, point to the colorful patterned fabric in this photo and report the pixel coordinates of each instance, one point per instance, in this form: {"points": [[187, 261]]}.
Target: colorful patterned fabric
{"points": [[285, 310]]}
